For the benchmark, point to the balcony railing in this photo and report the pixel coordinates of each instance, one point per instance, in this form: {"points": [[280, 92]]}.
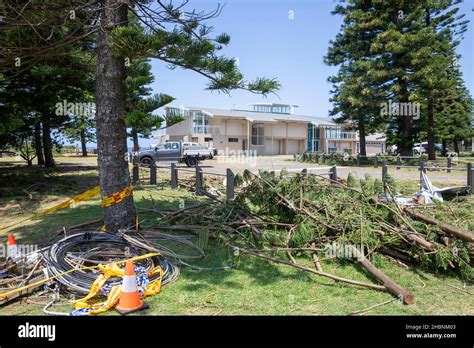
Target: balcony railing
{"points": [[341, 135]]}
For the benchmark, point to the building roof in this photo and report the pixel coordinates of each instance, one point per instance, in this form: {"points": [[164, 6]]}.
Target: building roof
{"points": [[375, 137], [255, 116]]}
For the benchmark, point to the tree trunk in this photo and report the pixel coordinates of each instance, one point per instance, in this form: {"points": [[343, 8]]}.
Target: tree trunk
{"points": [[111, 97], [38, 144], [83, 144], [430, 127], [47, 142], [136, 148], [362, 145], [456, 146], [444, 148]]}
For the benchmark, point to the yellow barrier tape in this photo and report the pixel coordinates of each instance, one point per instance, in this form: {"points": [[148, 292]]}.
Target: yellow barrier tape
{"points": [[95, 191], [43, 281], [112, 270], [116, 197]]}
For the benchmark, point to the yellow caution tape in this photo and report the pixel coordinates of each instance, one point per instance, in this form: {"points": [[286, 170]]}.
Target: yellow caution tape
{"points": [[116, 197], [112, 270], [95, 191], [43, 281]]}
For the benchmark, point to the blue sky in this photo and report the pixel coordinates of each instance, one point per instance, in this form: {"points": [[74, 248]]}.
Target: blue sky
{"points": [[267, 42]]}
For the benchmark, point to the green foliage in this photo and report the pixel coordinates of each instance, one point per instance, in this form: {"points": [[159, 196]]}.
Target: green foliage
{"points": [[352, 180]]}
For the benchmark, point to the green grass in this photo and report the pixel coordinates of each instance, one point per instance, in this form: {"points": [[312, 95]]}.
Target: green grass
{"points": [[254, 286]]}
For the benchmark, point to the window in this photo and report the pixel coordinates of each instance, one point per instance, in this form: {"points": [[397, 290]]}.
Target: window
{"points": [[174, 146], [262, 108], [233, 140], [200, 123], [257, 134]]}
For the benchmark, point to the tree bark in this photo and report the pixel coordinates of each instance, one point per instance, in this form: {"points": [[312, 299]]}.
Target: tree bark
{"points": [[83, 144], [47, 142], [111, 97], [430, 127], [362, 143], [444, 148], [404, 295], [454, 231], [38, 144], [456, 146]]}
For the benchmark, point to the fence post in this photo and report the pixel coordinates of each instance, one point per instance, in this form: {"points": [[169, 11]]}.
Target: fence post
{"points": [[135, 169], [198, 181], [450, 163], [384, 174], [317, 157], [470, 177], [399, 161], [230, 184], [422, 165], [153, 173], [174, 176], [358, 160], [331, 156], [333, 172], [376, 162], [304, 157], [324, 157]]}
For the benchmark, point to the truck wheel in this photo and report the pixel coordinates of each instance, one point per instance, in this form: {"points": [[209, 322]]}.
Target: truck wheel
{"points": [[146, 161], [192, 162]]}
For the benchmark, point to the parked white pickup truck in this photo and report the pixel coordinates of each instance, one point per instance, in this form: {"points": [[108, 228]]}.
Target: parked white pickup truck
{"points": [[174, 151]]}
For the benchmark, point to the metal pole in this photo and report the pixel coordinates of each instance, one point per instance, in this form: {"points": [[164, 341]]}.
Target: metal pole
{"points": [[399, 161], [174, 176], [358, 160], [153, 173], [376, 162], [450, 162], [230, 184], [324, 157], [331, 156]]}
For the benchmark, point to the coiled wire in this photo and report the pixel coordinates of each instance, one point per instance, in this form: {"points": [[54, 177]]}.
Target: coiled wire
{"points": [[92, 248]]}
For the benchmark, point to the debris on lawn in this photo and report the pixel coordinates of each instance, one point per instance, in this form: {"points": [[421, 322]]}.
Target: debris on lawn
{"points": [[280, 218]]}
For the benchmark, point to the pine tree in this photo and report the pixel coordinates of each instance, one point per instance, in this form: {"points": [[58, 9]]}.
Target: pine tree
{"points": [[356, 100], [174, 34]]}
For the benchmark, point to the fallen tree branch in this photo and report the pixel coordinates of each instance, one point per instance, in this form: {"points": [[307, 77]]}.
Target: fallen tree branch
{"points": [[392, 287], [454, 231], [307, 269]]}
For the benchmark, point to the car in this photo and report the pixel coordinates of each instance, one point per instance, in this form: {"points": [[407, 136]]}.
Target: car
{"points": [[173, 151], [195, 146]]}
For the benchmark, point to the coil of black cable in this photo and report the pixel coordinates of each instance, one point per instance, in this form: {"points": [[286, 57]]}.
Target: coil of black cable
{"points": [[92, 248]]}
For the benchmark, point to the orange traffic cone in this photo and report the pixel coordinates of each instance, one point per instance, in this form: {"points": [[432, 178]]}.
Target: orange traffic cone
{"points": [[129, 301], [12, 249]]}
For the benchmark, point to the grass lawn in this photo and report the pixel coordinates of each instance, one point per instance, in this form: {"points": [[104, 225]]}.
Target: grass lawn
{"points": [[253, 287]]}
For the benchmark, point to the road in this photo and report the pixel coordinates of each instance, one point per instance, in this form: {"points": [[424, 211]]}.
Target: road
{"points": [[238, 165]]}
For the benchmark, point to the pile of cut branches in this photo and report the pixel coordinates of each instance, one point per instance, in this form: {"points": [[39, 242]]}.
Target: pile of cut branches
{"points": [[310, 214]]}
